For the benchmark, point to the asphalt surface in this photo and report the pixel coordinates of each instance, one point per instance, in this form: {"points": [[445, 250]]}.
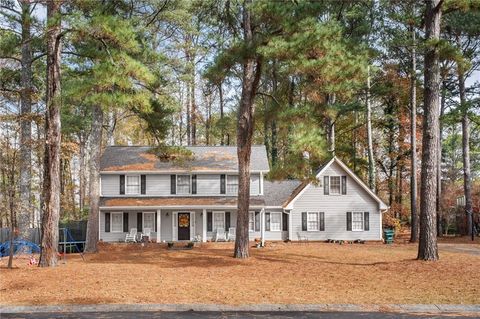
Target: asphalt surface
{"points": [[212, 315]]}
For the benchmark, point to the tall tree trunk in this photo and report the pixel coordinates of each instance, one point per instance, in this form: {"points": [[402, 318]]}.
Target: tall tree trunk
{"points": [[427, 248], [413, 142], [467, 177], [194, 112], [331, 98], [439, 160], [189, 120], [51, 187], [222, 128], [371, 161], [94, 195], [250, 79], [25, 211], [82, 173]]}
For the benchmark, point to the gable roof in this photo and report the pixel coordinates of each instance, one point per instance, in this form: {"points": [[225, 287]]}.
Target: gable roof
{"points": [[205, 159], [304, 186], [277, 193]]}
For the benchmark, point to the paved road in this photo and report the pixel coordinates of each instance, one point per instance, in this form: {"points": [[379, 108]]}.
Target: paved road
{"points": [[212, 315]]}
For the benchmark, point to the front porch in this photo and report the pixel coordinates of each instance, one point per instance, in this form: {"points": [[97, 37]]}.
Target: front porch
{"points": [[189, 224]]}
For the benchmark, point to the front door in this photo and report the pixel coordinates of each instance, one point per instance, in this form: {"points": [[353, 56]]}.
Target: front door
{"points": [[183, 226]]}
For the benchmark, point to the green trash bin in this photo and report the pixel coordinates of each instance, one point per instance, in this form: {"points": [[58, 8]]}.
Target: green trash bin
{"points": [[388, 235]]}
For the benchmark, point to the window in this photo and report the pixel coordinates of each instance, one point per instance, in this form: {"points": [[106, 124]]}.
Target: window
{"points": [[357, 221], [251, 221], [116, 223], [232, 184], [149, 221], [335, 185], [275, 221], [312, 221], [218, 220], [183, 184], [133, 184]]}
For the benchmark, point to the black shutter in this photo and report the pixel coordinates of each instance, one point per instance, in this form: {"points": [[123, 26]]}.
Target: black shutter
{"points": [[344, 185], [209, 221], [257, 221], [125, 222], [227, 221], [194, 184], [173, 184], [366, 221], [326, 187], [107, 222], [322, 221], [285, 222], [222, 184], [267, 221], [156, 216], [122, 184], [143, 184], [349, 221], [304, 221], [139, 222]]}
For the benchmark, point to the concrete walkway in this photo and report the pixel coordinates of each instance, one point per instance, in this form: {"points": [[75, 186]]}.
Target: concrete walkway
{"points": [[395, 308], [460, 248]]}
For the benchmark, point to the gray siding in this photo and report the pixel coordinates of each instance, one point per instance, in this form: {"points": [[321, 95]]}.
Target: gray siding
{"points": [[110, 185], [208, 184], [254, 184], [335, 208], [158, 185], [114, 236]]}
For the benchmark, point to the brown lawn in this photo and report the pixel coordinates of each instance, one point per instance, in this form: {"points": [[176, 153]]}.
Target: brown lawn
{"points": [[281, 273]]}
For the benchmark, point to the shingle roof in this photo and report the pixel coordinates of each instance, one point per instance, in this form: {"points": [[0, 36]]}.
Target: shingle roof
{"points": [[278, 192], [205, 158], [175, 201]]}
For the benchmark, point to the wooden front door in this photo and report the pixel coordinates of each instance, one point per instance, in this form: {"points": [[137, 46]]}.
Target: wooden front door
{"points": [[183, 226]]}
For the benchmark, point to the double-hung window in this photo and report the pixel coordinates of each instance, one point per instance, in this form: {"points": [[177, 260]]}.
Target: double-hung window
{"points": [[218, 220], [232, 184], [357, 221], [312, 221], [183, 184], [275, 221], [149, 221], [335, 186], [116, 221], [133, 184], [251, 221]]}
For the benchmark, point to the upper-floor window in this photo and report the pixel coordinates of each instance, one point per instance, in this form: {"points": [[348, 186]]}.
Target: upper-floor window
{"points": [[335, 186], [232, 184], [183, 184], [133, 184]]}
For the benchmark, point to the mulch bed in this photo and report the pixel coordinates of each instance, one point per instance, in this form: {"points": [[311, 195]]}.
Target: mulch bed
{"points": [[280, 273]]}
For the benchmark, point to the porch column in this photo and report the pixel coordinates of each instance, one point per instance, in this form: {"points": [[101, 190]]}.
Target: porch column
{"points": [[159, 225], [262, 228], [290, 233], [204, 226]]}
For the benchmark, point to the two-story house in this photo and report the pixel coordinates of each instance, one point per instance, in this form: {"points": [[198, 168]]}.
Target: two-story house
{"points": [[187, 200]]}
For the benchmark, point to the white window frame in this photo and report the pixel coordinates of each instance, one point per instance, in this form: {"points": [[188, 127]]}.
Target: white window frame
{"points": [[189, 184], [213, 220], [152, 229], [227, 184], [281, 220], [362, 218], [318, 221], [127, 192], [111, 222], [251, 214], [339, 185]]}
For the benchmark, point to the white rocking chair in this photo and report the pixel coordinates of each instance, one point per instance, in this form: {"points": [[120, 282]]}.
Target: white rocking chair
{"points": [[220, 234], [231, 234], [131, 236], [302, 238], [147, 232]]}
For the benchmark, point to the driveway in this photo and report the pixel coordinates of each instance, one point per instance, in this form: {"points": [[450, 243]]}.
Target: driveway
{"points": [[460, 248]]}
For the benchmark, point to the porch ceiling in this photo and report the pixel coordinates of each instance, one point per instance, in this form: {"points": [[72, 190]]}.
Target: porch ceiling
{"points": [[175, 201]]}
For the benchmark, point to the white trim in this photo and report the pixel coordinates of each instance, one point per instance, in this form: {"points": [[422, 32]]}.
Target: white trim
{"points": [[363, 222], [262, 228], [290, 229], [204, 226], [111, 222], [382, 205], [330, 185], [260, 191], [281, 222], [159, 225], [99, 223], [175, 172]]}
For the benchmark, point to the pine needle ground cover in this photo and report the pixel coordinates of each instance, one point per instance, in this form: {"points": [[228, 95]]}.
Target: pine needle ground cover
{"points": [[280, 273]]}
